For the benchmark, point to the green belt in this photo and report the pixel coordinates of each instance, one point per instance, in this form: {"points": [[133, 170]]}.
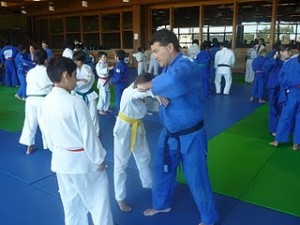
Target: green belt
{"points": [[84, 95]]}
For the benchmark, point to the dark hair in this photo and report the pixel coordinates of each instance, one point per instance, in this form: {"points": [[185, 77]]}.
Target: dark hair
{"points": [[101, 53], [79, 56], [21, 48], [57, 66], [45, 42], [40, 56], [79, 46], [165, 37], [120, 54], [140, 49], [283, 47], [143, 78], [195, 41]]}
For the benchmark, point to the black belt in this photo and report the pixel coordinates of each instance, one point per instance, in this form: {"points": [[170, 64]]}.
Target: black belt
{"points": [[224, 65], [176, 135]]}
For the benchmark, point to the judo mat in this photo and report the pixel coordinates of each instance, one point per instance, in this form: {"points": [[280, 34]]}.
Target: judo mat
{"points": [[11, 110], [243, 165]]}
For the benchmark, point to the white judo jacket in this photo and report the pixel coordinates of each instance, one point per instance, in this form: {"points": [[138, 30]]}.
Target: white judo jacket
{"points": [[67, 125]]}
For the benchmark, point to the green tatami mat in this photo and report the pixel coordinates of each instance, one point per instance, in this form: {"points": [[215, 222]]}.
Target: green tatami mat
{"points": [[255, 125], [277, 186], [234, 161], [11, 110]]}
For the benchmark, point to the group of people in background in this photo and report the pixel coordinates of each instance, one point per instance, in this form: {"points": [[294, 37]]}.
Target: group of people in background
{"points": [[61, 99]]}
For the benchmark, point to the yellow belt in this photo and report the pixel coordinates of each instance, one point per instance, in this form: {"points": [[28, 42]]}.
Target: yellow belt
{"points": [[135, 123]]}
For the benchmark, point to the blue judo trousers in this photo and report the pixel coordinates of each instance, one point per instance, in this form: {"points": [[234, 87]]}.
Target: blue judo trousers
{"points": [[204, 60], [120, 81], [272, 68], [259, 78], [8, 54], [180, 83], [22, 67], [290, 96]]}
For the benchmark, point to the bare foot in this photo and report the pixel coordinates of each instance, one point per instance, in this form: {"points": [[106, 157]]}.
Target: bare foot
{"points": [[30, 149], [123, 206], [274, 134], [296, 147], [152, 212], [274, 143], [261, 101], [251, 100]]}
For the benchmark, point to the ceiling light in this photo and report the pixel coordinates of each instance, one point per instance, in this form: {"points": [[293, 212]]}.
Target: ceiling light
{"points": [[84, 3], [51, 8], [126, 0], [4, 4]]}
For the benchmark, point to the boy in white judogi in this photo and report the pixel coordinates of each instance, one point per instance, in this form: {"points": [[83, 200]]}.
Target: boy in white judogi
{"points": [[141, 59], [38, 86], [129, 138], [102, 69], [84, 87], [77, 154], [224, 60]]}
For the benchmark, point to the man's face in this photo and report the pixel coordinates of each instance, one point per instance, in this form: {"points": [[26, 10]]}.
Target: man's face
{"points": [[44, 46], [162, 53]]}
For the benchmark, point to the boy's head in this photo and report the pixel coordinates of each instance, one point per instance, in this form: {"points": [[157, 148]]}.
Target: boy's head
{"points": [[143, 82], [79, 58], [120, 54], [62, 72], [102, 56], [40, 56]]}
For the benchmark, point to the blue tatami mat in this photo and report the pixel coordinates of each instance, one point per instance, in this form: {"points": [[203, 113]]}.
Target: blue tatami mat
{"points": [[14, 161], [21, 204]]}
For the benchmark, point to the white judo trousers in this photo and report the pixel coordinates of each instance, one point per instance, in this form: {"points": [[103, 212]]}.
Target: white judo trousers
{"points": [[249, 73], [83, 193], [38, 85], [32, 108], [133, 106], [76, 155], [142, 65], [153, 65], [224, 60], [102, 69]]}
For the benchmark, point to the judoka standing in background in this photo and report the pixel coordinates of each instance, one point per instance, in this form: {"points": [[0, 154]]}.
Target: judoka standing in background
{"points": [[194, 49], [141, 59], [183, 139], [224, 60], [84, 88], [153, 65], [77, 154], [38, 86]]}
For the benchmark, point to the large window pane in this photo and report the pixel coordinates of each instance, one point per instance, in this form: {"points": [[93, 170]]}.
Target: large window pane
{"points": [[218, 21], [73, 36], [43, 33], [186, 25], [56, 26], [111, 40], [91, 41], [111, 22], [127, 20], [127, 39], [254, 21], [57, 41], [288, 22], [90, 23], [73, 24], [160, 19]]}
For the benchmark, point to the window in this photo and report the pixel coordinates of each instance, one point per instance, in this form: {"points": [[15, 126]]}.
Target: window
{"points": [[254, 21], [127, 35], [288, 23], [43, 33], [90, 23], [111, 37], [56, 33], [218, 21], [186, 25], [160, 19], [73, 24]]}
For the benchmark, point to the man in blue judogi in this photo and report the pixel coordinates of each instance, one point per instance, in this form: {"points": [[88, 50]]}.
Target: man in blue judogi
{"points": [[8, 55], [272, 68], [120, 77], [290, 115], [204, 60], [183, 139]]}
